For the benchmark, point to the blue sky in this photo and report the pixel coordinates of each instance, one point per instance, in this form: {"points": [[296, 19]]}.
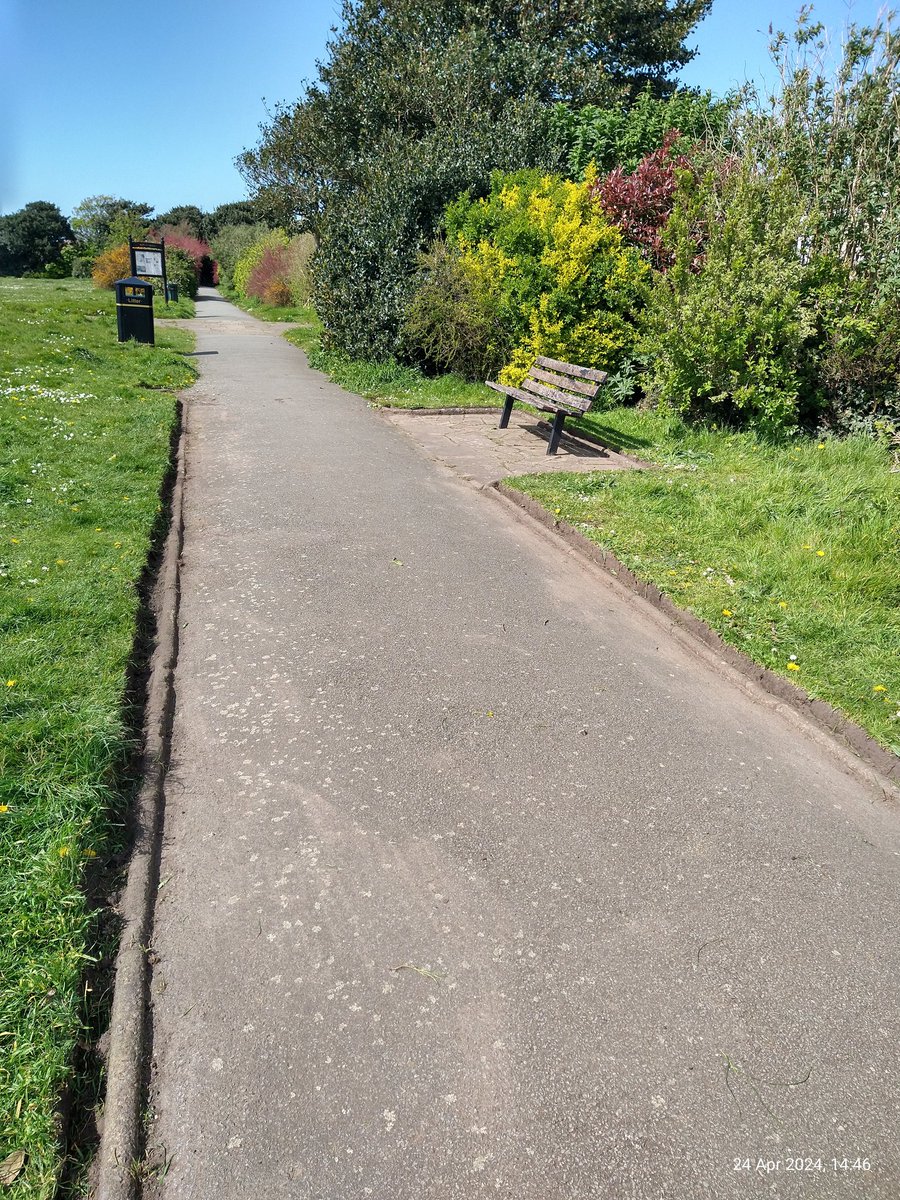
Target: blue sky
{"points": [[153, 101]]}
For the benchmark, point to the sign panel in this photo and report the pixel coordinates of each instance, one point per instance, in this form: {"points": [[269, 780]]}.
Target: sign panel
{"points": [[148, 262]]}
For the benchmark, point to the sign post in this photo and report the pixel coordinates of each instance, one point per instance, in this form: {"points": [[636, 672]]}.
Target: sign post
{"points": [[149, 259]]}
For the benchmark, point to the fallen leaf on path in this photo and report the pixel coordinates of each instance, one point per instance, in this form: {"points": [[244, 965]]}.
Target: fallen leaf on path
{"points": [[398, 562], [11, 1167]]}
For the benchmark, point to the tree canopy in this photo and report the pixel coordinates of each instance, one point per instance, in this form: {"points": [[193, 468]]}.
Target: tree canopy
{"points": [[418, 100], [32, 238], [96, 218]]}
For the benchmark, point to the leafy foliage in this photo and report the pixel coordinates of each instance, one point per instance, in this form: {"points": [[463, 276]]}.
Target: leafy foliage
{"points": [[188, 217], [418, 101], [620, 135], [281, 277], [640, 203], [229, 244], [253, 256], [789, 318], [111, 265], [32, 238], [563, 281], [453, 322], [103, 221]]}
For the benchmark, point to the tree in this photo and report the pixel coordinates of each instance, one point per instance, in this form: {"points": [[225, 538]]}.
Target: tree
{"points": [[98, 220], [419, 100], [237, 212], [187, 216], [32, 238]]}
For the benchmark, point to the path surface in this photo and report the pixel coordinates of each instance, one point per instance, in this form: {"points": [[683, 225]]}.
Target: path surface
{"points": [[476, 882], [473, 447]]}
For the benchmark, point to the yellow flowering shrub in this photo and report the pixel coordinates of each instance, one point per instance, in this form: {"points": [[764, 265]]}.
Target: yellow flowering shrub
{"points": [[567, 285], [111, 265]]}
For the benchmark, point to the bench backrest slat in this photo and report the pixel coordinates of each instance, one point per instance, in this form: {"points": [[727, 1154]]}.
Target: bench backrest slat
{"points": [[565, 368], [567, 383], [575, 403]]}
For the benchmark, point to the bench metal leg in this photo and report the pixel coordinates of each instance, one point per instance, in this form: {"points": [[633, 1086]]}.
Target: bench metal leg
{"points": [[556, 431], [507, 409]]}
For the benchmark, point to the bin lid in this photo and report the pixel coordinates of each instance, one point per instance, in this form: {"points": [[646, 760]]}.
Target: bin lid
{"points": [[133, 281]]}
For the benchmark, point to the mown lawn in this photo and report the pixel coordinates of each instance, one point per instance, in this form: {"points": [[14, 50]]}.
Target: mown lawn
{"points": [[791, 552], [85, 428]]}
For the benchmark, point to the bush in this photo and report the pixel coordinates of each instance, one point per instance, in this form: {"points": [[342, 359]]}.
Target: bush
{"points": [[452, 323], [227, 246], [252, 256], [111, 265], [640, 203], [733, 341], [372, 236], [181, 269], [299, 272], [619, 137], [282, 275], [565, 284], [268, 279]]}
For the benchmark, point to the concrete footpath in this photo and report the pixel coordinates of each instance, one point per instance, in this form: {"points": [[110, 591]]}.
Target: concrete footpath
{"points": [[475, 880]]}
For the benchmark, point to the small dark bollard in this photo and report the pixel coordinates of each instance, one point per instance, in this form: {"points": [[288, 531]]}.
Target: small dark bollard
{"points": [[172, 292], [134, 310]]}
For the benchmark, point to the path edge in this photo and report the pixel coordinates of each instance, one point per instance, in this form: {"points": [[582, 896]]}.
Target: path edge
{"points": [[849, 740], [121, 1134]]}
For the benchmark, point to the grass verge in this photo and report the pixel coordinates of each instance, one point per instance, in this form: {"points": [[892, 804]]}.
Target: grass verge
{"points": [[180, 309], [790, 552], [86, 430]]}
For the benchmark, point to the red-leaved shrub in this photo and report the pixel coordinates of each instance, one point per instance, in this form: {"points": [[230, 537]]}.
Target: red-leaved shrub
{"points": [[178, 238], [641, 203], [268, 280]]}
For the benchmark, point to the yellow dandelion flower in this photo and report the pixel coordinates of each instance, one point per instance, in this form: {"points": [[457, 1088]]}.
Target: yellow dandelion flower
{"points": [[820, 553], [4, 808], [89, 853], [782, 603], [64, 852], [793, 667], [11, 682], [726, 612], [879, 688]]}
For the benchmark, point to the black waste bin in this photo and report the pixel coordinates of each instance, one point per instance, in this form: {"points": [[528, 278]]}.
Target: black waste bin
{"points": [[134, 310], [172, 291]]}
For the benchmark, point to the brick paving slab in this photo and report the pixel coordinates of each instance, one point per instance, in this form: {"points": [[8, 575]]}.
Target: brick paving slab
{"points": [[472, 446]]}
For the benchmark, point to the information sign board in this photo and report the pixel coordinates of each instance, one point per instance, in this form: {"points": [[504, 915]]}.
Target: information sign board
{"points": [[148, 262]]}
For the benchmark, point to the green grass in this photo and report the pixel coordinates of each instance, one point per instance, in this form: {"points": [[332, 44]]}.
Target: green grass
{"points": [[85, 427], [391, 383], [303, 313], [180, 309], [791, 552]]}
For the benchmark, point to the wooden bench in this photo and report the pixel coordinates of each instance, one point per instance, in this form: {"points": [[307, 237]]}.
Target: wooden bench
{"points": [[561, 388]]}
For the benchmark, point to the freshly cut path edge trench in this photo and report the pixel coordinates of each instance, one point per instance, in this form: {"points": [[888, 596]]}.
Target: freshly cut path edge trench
{"points": [[473, 881]]}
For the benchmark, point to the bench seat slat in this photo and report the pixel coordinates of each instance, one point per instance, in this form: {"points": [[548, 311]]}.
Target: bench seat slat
{"points": [[575, 404], [570, 384], [524, 397], [565, 368]]}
